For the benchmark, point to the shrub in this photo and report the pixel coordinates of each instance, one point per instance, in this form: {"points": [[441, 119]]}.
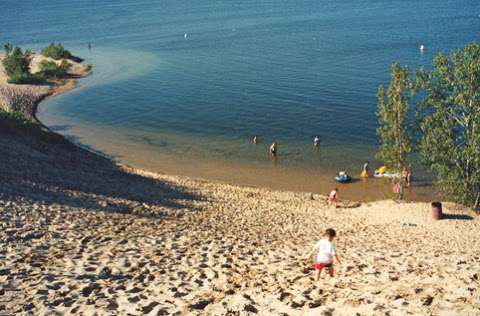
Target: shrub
{"points": [[17, 62], [24, 78], [56, 51], [17, 66], [50, 70]]}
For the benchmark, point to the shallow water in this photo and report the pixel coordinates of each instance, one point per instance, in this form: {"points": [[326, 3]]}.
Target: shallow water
{"points": [[285, 71]]}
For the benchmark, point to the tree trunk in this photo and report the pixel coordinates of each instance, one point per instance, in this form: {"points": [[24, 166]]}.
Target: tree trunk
{"points": [[477, 202]]}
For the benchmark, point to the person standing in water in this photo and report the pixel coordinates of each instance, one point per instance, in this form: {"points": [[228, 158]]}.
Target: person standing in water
{"points": [[409, 178], [365, 170], [273, 149], [397, 187], [404, 175], [255, 139], [316, 142]]}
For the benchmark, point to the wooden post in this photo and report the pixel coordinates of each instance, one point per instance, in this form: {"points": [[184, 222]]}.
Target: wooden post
{"points": [[437, 212]]}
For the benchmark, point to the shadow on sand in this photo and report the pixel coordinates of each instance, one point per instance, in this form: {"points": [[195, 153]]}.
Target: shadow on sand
{"points": [[44, 166], [463, 217]]}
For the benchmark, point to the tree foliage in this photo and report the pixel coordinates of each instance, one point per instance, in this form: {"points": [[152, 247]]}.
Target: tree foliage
{"points": [[17, 65], [56, 51], [50, 70], [392, 114], [449, 120], [16, 61]]}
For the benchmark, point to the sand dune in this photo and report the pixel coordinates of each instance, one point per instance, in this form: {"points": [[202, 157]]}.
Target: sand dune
{"points": [[81, 235]]}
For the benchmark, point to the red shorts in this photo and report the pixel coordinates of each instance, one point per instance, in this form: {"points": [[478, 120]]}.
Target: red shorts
{"points": [[321, 265]]}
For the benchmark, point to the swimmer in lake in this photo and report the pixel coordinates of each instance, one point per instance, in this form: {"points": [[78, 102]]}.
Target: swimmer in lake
{"points": [[273, 149]]}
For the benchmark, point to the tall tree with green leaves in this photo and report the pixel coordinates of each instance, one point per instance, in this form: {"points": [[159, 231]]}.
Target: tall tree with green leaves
{"points": [[392, 114], [449, 120]]}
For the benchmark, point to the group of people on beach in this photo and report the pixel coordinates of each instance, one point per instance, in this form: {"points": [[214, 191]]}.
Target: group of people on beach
{"points": [[398, 183]]}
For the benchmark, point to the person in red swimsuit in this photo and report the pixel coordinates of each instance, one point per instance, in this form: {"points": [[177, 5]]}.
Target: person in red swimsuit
{"points": [[326, 253]]}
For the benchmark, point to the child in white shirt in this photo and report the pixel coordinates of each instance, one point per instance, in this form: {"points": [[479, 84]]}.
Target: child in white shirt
{"points": [[326, 253]]}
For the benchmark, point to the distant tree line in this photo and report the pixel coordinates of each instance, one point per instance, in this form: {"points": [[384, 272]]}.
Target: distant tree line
{"points": [[436, 113], [17, 64]]}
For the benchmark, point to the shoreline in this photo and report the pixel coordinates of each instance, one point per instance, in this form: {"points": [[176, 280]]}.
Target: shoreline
{"points": [[263, 174], [25, 98], [83, 234], [271, 177], [276, 178]]}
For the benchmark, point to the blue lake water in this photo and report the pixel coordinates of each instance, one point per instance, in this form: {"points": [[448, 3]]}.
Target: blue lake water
{"points": [[195, 80]]}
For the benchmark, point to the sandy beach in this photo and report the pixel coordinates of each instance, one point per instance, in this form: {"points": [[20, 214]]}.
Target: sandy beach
{"points": [[83, 235]]}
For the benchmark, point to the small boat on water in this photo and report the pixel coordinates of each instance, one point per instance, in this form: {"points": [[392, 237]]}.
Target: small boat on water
{"points": [[343, 177]]}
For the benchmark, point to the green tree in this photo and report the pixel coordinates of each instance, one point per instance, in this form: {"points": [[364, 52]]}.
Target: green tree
{"points": [[17, 66], [392, 114], [16, 62], [449, 120], [56, 51]]}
